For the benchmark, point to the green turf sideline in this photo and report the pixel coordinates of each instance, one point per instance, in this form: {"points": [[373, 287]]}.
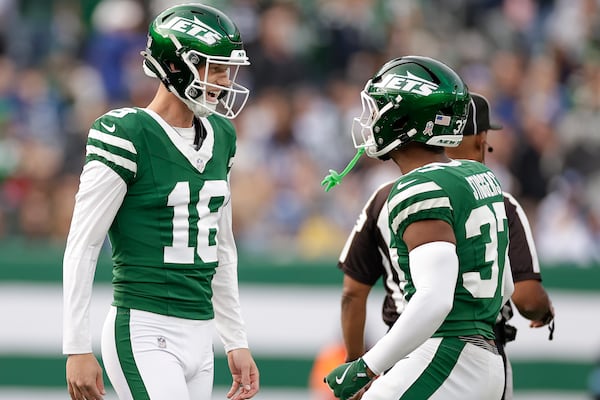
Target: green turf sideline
{"points": [[33, 371]]}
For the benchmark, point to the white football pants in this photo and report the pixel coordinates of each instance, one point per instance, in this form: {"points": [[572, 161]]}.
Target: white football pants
{"points": [[149, 356], [442, 369]]}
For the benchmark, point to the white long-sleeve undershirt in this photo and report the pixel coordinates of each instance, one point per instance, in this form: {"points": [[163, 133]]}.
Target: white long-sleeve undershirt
{"points": [[434, 270], [228, 315], [101, 192]]}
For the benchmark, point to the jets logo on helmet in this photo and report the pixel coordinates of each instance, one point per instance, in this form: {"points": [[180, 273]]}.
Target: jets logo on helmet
{"points": [[194, 28], [407, 83]]}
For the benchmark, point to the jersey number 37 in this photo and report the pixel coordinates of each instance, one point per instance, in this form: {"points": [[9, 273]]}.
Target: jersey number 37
{"points": [[479, 217]]}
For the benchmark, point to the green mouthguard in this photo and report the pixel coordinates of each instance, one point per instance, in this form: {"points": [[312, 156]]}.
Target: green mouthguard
{"points": [[334, 178]]}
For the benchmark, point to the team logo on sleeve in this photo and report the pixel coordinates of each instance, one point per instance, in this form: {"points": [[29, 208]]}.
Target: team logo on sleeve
{"points": [[193, 27]]}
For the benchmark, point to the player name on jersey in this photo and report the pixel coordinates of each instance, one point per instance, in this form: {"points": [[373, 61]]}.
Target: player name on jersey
{"points": [[484, 185]]}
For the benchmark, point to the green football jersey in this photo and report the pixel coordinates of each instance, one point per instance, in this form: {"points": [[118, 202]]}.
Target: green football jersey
{"points": [[468, 196], [164, 236]]}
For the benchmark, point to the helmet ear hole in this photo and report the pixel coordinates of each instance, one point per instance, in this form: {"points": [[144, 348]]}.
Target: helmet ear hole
{"points": [[172, 67], [399, 124], [447, 111]]}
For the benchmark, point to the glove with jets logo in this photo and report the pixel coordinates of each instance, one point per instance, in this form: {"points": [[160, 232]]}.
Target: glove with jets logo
{"points": [[347, 379]]}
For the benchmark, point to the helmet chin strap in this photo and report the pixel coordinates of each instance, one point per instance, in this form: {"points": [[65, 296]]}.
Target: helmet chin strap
{"points": [[376, 154], [404, 138], [159, 73], [198, 110]]}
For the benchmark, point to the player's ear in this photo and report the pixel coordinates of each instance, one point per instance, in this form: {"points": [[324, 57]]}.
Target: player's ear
{"points": [[480, 141]]}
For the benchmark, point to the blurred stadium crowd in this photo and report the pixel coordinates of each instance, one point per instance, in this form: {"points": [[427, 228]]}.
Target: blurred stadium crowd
{"points": [[63, 63]]}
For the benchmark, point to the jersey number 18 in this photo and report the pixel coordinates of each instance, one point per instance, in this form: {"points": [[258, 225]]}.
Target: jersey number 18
{"points": [[179, 198]]}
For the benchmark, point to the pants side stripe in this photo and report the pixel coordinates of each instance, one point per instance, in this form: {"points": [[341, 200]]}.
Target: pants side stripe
{"points": [[125, 354]]}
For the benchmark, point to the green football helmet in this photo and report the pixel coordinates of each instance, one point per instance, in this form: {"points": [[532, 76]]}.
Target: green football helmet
{"points": [[183, 39], [411, 98]]}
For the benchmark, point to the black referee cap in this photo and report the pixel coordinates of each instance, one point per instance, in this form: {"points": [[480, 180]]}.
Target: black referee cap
{"points": [[478, 119]]}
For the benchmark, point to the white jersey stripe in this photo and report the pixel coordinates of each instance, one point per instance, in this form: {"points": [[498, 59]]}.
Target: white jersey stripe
{"points": [[412, 191], [112, 140], [120, 161], [440, 202]]}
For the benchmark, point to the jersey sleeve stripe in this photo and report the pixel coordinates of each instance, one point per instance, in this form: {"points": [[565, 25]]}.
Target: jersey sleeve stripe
{"points": [[440, 202], [412, 191], [113, 158], [112, 140]]}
